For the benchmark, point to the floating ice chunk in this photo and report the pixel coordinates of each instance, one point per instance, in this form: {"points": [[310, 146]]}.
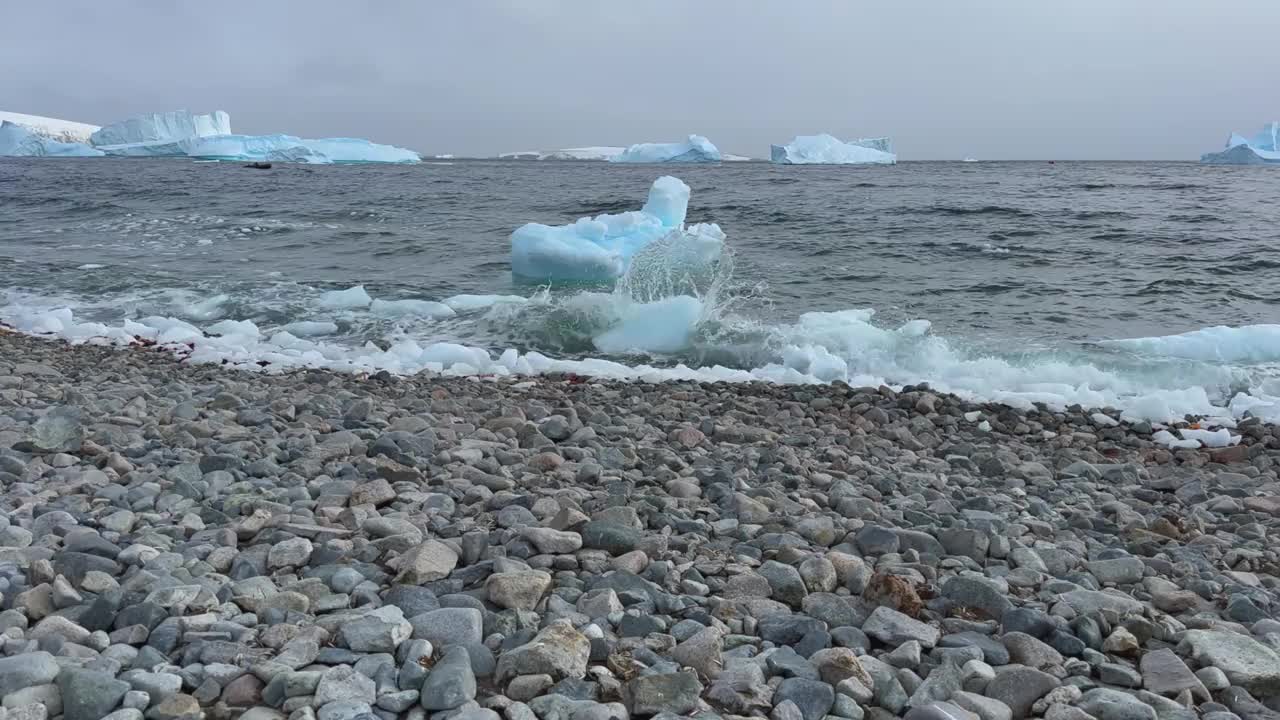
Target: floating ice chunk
{"points": [[471, 303], [61, 130], [1245, 344], [354, 297], [696, 149], [828, 150], [600, 249], [598, 153], [1263, 148], [410, 308], [163, 127], [207, 309], [663, 326], [817, 361], [17, 141], [310, 328]]}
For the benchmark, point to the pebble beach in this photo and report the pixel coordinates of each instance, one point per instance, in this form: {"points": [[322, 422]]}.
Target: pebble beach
{"points": [[186, 541]]}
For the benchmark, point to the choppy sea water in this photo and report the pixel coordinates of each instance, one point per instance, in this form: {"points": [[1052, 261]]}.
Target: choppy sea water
{"points": [[1034, 278]]}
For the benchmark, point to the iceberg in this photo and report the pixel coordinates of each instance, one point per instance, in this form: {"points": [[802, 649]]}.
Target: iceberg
{"points": [[209, 137], [268, 148], [1262, 149], [600, 249], [594, 152], [357, 150], [696, 149], [826, 149], [599, 152], [287, 148], [61, 130], [18, 141], [162, 127]]}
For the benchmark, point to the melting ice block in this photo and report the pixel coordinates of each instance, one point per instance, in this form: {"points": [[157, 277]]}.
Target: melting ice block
{"points": [[600, 249], [18, 141], [829, 150], [1263, 148], [694, 150]]}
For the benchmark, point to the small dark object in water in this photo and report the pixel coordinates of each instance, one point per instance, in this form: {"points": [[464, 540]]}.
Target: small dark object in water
{"points": [[259, 165]]}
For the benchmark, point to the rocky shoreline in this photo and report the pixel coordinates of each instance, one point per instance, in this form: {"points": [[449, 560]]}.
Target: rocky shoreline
{"points": [[186, 542]]}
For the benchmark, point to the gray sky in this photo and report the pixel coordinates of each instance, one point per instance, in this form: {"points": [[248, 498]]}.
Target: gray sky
{"points": [[995, 79]]}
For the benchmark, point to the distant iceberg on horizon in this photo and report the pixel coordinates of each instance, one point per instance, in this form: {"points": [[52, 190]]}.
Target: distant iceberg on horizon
{"points": [[1261, 149], [696, 149], [598, 153], [179, 133], [824, 149]]}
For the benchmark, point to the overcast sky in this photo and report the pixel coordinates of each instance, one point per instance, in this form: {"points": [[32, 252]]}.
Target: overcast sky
{"points": [[995, 79]]}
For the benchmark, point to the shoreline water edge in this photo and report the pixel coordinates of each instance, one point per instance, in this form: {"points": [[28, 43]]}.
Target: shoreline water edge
{"points": [[182, 540]]}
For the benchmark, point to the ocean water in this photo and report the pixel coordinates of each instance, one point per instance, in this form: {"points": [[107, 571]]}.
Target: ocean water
{"points": [[1151, 287]]}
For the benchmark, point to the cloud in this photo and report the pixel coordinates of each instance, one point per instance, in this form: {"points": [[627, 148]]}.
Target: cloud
{"points": [[997, 79]]}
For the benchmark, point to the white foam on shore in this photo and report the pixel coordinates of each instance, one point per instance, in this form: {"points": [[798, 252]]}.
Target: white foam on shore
{"points": [[472, 303], [818, 348]]}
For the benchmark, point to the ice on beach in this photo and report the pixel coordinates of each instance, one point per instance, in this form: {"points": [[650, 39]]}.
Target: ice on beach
{"points": [[819, 347], [18, 141], [600, 249], [1261, 149], [65, 131], [826, 149], [696, 149]]}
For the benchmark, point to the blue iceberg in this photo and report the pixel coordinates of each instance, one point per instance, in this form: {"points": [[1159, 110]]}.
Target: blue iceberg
{"points": [[1262, 149], [208, 137], [19, 141], [162, 128], [826, 149], [600, 249], [287, 148], [356, 150], [696, 149]]}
